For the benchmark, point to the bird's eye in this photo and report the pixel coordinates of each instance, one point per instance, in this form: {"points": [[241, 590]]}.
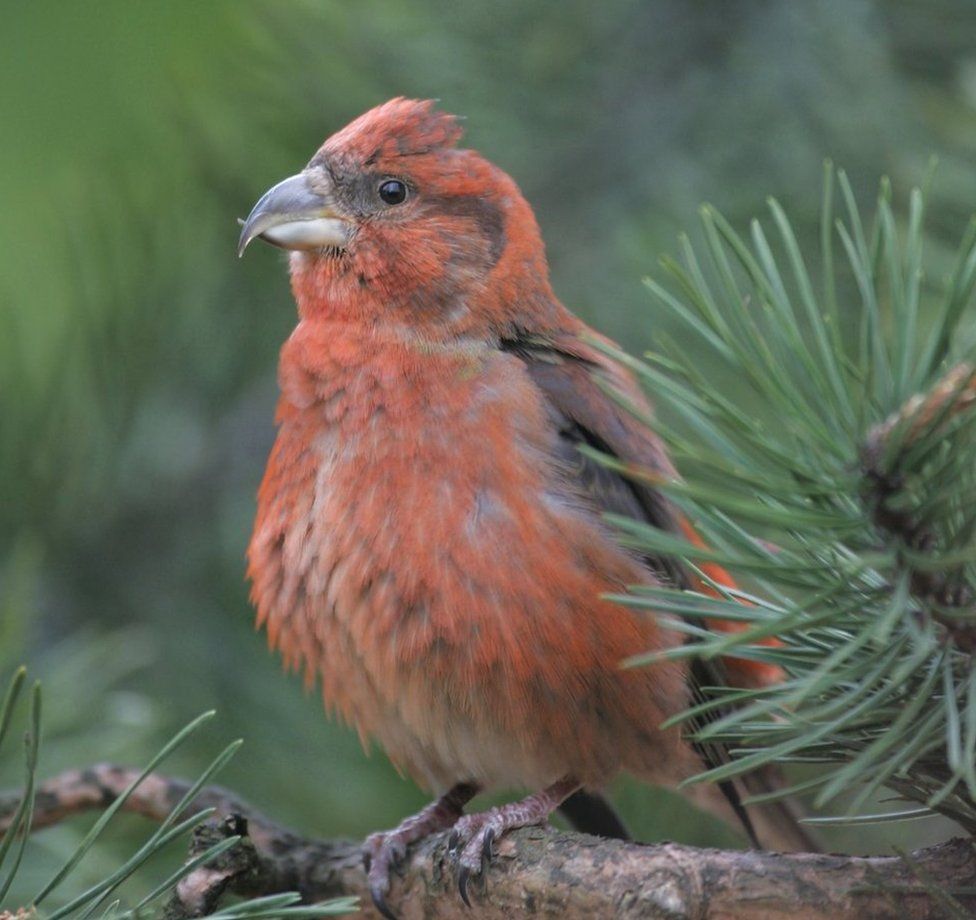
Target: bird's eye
{"points": [[393, 191]]}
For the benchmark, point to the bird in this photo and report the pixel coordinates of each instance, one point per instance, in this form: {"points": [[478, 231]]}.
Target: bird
{"points": [[431, 542]]}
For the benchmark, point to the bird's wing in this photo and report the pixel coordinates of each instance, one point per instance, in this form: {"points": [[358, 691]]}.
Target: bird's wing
{"points": [[568, 371], [572, 376]]}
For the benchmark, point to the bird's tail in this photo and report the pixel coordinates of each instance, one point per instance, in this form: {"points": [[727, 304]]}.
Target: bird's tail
{"points": [[770, 826], [591, 813], [777, 822], [773, 825]]}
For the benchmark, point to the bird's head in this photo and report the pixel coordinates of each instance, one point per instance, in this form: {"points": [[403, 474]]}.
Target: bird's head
{"points": [[391, 221]]}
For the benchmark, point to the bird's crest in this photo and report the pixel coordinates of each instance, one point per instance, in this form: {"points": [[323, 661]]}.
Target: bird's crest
{"points": [[400, 127]]}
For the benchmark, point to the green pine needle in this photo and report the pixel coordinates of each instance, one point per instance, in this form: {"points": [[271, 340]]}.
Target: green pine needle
{"points": [[843, 510], [94, 899]]}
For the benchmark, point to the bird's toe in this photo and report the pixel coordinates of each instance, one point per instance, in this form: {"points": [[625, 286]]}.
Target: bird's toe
{"points": [[474, 856], [381, 852], [378, 894]]}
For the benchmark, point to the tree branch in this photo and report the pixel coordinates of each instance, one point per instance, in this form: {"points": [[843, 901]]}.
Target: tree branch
{"points": [[537, 872]]}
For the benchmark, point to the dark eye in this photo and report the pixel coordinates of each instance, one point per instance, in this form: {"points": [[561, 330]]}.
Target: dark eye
{"points": [[393, 191]]}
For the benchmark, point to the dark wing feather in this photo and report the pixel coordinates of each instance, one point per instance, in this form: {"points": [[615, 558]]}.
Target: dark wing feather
{"points": [[567, 371]]}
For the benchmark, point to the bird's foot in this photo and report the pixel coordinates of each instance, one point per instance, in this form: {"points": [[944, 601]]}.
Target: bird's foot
{"points": [[384, 850], [474, 835]]}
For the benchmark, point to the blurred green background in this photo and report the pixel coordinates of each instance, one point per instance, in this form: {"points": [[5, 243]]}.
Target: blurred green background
{"points": [[137, 354]]}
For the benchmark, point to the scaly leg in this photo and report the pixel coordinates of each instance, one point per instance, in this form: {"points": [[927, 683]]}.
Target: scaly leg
{"points": [[474, 834], [385, 849]]}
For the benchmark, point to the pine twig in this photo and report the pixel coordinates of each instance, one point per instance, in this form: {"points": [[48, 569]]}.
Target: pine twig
{"points": [[923, 415], [953, 394], [537, 872]]}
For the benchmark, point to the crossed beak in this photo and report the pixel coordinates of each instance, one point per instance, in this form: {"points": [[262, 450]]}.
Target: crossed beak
{"points": [[293, 215]]}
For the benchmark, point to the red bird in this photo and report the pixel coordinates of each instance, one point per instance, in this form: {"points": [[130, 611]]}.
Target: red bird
{"points": [[429, 539]]}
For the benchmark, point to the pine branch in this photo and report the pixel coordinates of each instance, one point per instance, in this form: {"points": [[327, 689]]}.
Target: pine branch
{"points": [[538, 872], [837, 490], [113, 789]]}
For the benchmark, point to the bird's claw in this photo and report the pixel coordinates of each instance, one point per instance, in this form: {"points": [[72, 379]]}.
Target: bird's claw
{"points": [[463, 875], [488, 836], [471, 845], [481, 844], [381, 852], [379, 902]]}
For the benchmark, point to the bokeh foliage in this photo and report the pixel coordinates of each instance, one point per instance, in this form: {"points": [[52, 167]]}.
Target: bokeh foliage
{"points": [[137, 354], [54, 900]]}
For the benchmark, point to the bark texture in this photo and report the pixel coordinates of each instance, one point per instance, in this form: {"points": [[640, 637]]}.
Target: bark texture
{"points": [[536, 872]]}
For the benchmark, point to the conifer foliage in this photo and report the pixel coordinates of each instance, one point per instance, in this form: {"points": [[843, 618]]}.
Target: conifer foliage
{"points": [[843, 501]]}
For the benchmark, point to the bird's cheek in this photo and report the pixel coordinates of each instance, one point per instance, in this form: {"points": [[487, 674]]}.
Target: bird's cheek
{"points": [[409, 259]]}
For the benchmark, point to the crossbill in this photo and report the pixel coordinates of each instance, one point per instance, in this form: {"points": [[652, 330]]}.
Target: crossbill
{"points": [[430, 542]]}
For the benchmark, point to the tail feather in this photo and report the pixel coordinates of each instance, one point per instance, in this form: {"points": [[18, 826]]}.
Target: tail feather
{"points": [[771, 825], [591, 813], [777, 823]]}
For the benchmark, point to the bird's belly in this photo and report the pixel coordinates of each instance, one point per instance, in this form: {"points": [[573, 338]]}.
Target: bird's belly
{"points": [[448, 597]]}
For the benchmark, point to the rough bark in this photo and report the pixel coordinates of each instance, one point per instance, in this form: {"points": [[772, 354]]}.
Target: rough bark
{"points": [[536, 873]]}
